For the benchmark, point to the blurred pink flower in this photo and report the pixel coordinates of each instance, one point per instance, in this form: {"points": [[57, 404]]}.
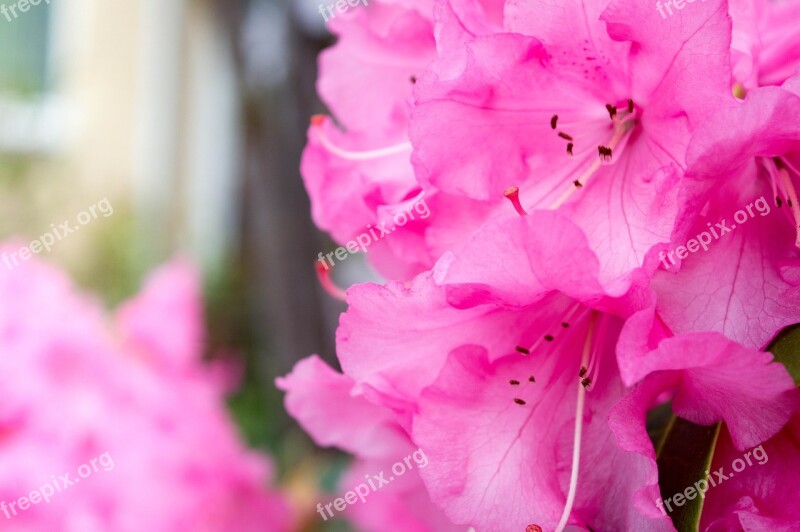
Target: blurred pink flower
{"points": [[74, 389]]}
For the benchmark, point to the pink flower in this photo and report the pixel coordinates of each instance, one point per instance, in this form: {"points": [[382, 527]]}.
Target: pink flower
{"points": [[755, 497], [360, 176], [74, 390], [741, 188], [365, 79], [354, 176], [504, 356], [336, 415], [766, 41], [582, 108]]}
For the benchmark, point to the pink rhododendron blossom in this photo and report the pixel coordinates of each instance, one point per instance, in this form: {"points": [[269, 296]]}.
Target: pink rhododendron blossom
{"points": [[757, 496], [352, 174], [74, 389], [360, 176], [582, 107], [490, 361], [653, 163], [766, 41], [365, 79], [327, 406], [745, 285]]}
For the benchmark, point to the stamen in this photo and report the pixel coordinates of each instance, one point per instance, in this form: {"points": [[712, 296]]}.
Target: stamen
{"points": [[791, 200], [620, 133], [512, 193], [324, 276], [531, 379], [778, 201], [569, 148], [318, 120], [513, 382], [576, 446], [554, 121], [612, 110], [577, 184], [564, 136], [571, 313], [583, 371], [630, 105], [519, 401]]}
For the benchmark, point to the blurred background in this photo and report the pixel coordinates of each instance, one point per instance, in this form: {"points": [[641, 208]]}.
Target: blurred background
{"points": [[189, 116]]}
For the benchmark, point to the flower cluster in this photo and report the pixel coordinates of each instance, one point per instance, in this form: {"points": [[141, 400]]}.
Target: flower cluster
{"points": [[130, 389], [529, 324]]}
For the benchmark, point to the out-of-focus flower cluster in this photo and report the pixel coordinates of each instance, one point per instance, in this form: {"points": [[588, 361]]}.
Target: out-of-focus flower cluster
{"points": [[614, 225], [77, 384]]}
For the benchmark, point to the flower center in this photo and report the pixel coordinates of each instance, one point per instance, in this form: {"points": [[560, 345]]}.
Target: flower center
{"points": [[576, 321], [592, 143]]}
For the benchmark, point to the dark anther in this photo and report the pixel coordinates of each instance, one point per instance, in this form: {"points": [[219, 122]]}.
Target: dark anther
{"points": [[554, 121], [523, 350], [569, 148], [548, 337], [612, 110], [577, 184], [564, 324], [586, 382], [630, 105], [513, 382], [413, 79], [605, 152], [531, 379], [519, 401], [564, 135], [778, 201], [582, 372]]}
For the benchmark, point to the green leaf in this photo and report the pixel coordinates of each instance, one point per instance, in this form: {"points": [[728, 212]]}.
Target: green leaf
{"points": [[684, 457], [786, 348]]}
